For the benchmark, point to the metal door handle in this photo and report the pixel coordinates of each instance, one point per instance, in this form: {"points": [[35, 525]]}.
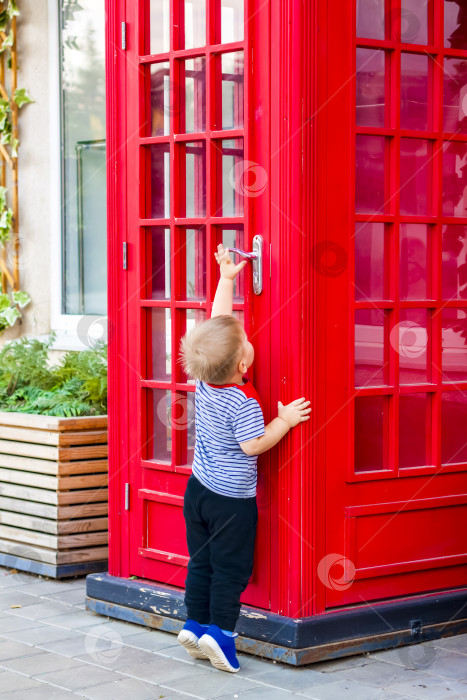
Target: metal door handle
{"points": [[257, 256]]}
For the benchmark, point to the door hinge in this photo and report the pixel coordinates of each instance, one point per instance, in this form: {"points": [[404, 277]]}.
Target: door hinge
{"points": [[123, 44], [125, 255], [127, 496]]}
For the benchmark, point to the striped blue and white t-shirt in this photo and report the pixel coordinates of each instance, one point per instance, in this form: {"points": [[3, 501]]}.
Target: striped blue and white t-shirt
{"points": [[225, 415]]}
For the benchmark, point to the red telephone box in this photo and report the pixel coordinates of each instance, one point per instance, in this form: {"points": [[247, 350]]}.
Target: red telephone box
{"points": [[337, 131]]}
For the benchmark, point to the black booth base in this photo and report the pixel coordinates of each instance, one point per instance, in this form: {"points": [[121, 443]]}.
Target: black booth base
{"points": [[294, 641]]}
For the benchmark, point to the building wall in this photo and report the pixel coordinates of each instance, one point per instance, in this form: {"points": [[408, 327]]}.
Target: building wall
{"points": [[34, 169]]}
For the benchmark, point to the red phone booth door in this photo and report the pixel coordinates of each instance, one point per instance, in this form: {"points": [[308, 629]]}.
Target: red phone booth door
{"points": [[189, 187], [393, 269]]}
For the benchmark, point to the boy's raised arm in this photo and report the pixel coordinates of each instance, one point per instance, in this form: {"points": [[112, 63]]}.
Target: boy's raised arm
{"points": [[223, 299]]}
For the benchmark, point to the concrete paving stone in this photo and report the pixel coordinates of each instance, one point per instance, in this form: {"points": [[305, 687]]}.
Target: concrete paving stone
{"points": [[44, 691], [38, 635], [124, 629], [344, 689], [79, 644], [341, 664], [439, 662], [71, 597], [210, 685], [38, 611], [118, 657], [13, 681], [8, 580], [40, 663], [295, 679], [456, 643], [14, 596], [381, 674], [252, 665], [151, 641], [163, 671], [12, 650], [177, 652], [13, 623], [82, 676], [73, 619], [41, 587], [128, 688], [431, 687], [261, 694]]}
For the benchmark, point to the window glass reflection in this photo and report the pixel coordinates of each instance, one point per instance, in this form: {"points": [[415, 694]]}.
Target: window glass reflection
{"points": [[414, 256], [410, 339], [232, 22], [454, 262], [370, 259], [414, 430], [454, 178], [453, 427], [414, 91], [160, 98], [370, 161], [414, 173], [455, 24], [455, 95], [370, 347], [454, 345], [370, 85], [370, 19]]}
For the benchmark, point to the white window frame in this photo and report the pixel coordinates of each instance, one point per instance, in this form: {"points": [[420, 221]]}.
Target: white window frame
{"points": [[71, 329]]}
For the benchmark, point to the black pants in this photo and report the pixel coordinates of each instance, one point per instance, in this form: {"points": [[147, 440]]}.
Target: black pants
{"points": [[220, 533]]}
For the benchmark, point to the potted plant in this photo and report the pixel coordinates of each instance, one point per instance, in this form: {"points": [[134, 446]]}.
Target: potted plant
{"points": [[53, 459]]}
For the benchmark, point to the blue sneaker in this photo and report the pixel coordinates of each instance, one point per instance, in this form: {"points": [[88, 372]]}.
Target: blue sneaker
{"points": [[220, 649], [189, 636]]}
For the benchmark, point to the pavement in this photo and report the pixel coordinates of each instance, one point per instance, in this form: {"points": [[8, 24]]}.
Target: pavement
{"points": [[51, 647]]}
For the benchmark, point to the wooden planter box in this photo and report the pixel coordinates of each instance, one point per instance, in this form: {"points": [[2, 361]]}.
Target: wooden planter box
{"points": [[53, 494]]}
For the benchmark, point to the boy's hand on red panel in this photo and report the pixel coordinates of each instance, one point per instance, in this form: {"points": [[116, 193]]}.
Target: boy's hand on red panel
{"points": [[294, 412], [227, 267]]}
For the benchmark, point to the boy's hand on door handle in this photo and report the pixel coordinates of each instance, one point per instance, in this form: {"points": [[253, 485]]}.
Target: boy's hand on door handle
{"points": [[294, 412], [227, 267]]}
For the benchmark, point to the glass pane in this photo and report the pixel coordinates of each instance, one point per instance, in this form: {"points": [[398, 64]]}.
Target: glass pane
{"points": [[454, 345], [455, 29], [414, 169], [370, 333], [410, 341], [369, 174], [371, 433], [235, 178], [454, 262], [188, 318], [233, 238], [454, 179], [231, 21], [158, 345], [414, 261], [370, 19], [414, 21], [193, 280], [453, 427], [370, 256], [231, 65], [455, 95], [157, 261], [193, 163], [83, 158], [183, 419], [159, 435], [159, 23], [195, 24], [195, 95], [414, 430], [158, 185], [370, 98], [414, 91], [160, 99]]}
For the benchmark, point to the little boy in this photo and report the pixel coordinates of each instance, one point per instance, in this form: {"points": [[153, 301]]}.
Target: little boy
{"points": [[220, 500]]}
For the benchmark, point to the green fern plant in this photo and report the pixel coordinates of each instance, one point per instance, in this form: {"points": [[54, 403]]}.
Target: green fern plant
{"points": [[75, 386]]}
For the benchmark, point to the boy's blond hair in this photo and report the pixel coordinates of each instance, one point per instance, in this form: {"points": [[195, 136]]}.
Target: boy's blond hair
{"points": [[211, 350]]}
